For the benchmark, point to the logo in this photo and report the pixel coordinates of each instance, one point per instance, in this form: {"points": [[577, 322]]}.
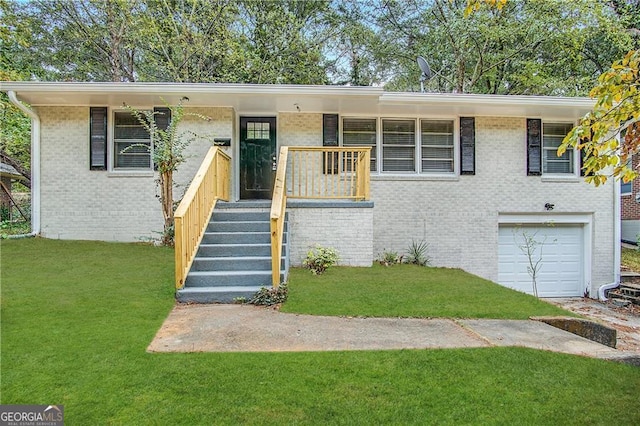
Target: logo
{"points": [[31, 415]]}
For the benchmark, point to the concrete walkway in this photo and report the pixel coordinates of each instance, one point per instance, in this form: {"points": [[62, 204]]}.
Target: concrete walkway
{"points": [[246, 328]]}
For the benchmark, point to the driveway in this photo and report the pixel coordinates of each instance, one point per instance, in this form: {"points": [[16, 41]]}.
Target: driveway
{"points": [[246, 328]]}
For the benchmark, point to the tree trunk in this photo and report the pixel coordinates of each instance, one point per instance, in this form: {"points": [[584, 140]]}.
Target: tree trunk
{"points": [[7, 159], [166, 198]]}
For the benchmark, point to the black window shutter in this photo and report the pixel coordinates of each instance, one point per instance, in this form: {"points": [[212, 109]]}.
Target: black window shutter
{"points": [[330, 138], [534, 147], [98, 138], [330, 129], [162, 117], [467, 146]]}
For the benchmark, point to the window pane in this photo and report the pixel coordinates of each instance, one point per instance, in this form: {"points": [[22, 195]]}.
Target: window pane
{"points": [[437, 145], [131, 142], [627, 188], [552, 136], [398, 145], [257, 130], [360, 132]]}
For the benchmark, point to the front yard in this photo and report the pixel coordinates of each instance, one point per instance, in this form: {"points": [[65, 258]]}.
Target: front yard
{"points": [[408, 291], [77, 317]]}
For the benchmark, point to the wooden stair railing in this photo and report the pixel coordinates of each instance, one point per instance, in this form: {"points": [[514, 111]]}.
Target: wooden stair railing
{"points": [[211, 183]]}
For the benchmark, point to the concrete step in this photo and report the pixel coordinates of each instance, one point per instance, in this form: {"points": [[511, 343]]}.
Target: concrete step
{"points": [[236, 238], [239, 238], [235, 250], [216, 294], [238, 226], [238, 263], [229, 278], [235, 216]]}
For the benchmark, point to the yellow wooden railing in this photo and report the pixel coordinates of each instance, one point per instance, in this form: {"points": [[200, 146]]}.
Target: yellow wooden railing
{"points": [[210, 184], [329, 173], [315, 173], [278, 210]]}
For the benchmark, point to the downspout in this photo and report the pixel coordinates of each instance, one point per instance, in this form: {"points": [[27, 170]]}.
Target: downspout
{"points": [[35, 165], [617, 243]]}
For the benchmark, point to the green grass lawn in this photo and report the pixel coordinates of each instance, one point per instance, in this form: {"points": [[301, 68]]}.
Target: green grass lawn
{"points": [[631, 259], [76, 318], [408, 291]]}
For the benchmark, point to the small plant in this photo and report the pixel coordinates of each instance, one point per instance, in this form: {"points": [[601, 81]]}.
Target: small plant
{"points": [[389, 258], [240, 300], [269, 296], [531, 247], [417, 253], [320, 259]]}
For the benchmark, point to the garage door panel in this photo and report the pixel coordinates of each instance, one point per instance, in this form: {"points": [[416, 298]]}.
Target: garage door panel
{"points": [[561, 270]]}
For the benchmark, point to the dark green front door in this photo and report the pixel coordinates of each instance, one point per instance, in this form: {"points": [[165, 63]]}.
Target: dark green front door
{"points": [[257, 157]]}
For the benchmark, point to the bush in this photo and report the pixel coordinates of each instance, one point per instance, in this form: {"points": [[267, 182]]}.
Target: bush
{"points": [[320, 259], [388, 258], [270, 296], [417, 253]]}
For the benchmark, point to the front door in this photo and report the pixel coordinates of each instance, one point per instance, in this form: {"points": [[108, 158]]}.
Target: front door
{"points": [[257, 157]]}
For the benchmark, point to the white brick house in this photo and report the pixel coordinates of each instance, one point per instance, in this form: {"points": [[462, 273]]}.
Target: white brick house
{"points": [[465, 173]]}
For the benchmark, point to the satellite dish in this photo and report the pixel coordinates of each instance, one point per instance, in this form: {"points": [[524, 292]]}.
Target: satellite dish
{"points": [[426, 71]]}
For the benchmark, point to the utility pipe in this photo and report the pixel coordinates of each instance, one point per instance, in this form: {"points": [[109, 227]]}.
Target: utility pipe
{"points": [[617, 243], [35, 164]]}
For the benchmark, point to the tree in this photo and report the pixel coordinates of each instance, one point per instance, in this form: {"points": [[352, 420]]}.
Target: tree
{"points": [[282, 41], [616, 112], [168, 145], [89, 40], [188, 41], [543, 47], [531, 247], [15, 140]]}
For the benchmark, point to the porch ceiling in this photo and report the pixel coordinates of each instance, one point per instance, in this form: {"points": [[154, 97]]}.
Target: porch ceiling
{"points": [[272, 99]]}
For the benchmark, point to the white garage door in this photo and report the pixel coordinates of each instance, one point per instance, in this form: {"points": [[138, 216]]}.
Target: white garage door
{"points": [[561, 267]]}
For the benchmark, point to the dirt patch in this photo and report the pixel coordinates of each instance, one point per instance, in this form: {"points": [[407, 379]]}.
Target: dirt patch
{"points": [[626, 320]]}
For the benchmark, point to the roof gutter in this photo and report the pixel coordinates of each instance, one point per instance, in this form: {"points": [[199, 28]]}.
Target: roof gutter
{"points": [[35, 163]]}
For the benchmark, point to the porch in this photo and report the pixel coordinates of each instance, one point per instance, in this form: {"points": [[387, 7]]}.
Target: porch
{"points": [[228, 249]]}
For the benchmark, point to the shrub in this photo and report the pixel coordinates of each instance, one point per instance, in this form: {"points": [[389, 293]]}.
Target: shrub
{"points": [[388, 258], [320, 259], [417, 253], [270, 296]]}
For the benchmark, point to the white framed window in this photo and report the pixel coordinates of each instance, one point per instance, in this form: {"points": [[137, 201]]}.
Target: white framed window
{"points": [[132, 148], [552, 136], [437, 146], [398, 145], [361, 132]]}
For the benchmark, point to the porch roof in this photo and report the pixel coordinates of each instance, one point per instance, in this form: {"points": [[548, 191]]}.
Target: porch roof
{"points": [[275, 98]]}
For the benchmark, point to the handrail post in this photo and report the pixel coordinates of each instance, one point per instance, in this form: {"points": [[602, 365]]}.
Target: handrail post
{"points": [[277, 215]]}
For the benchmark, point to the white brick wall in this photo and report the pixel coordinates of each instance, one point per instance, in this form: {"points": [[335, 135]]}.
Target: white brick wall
{"points": [[78, 203], [348, 230], [299, 129]]}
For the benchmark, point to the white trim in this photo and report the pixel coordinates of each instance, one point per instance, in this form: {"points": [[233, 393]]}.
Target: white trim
{"points": [[473, 99], [583, 219], [179, 88], [111, 154], [575, 159], [273, 98]]}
